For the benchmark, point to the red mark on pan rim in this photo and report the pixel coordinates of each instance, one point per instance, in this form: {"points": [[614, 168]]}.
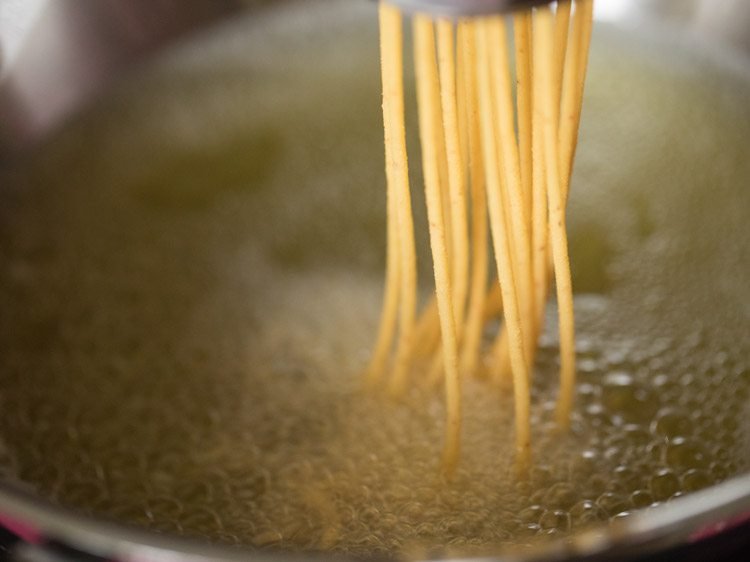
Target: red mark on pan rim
{"points": [[719, 527], [20, 529]]}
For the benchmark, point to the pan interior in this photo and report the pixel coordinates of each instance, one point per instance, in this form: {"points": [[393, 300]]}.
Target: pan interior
{"points": [[190, 279]]}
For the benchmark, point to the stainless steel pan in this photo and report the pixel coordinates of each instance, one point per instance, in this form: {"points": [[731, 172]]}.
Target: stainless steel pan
{"points": [[31, 113]]}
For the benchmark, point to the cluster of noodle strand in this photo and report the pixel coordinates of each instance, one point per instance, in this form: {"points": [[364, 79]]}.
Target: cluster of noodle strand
{"points": [[497, 171]]}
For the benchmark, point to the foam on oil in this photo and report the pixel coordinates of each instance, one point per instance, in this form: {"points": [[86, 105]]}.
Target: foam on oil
{"points": [[191, 277]]}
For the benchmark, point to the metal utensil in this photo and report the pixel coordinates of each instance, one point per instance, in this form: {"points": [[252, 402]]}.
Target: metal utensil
{"points": [[456, 8]]}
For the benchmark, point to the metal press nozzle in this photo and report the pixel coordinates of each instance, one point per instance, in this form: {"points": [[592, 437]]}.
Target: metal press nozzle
{"points": [[459, 8]]}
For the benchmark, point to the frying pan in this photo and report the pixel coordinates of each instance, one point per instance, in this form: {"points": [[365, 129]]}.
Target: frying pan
{"points": [[103, 61]]}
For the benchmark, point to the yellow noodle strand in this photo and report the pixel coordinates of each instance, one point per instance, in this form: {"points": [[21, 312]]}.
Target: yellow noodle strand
{"points": [[393, 84], [522, 44], [463, 126], [562, 23], [572, 92], [544, 61], [390, 53], [512, 190], [443, 175], [428, 97], [479, 260], [501, 243], [456, 187], [540, 230], [455, 164]]}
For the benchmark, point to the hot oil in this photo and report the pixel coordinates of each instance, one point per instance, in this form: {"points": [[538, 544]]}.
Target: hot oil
{"points": [[191, 277]]}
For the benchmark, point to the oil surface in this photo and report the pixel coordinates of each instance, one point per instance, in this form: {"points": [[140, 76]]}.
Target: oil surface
{"points": [[191, 275]]}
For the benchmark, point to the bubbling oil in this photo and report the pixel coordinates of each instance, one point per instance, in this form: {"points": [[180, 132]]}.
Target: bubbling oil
{"points": [[190, 281]]}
